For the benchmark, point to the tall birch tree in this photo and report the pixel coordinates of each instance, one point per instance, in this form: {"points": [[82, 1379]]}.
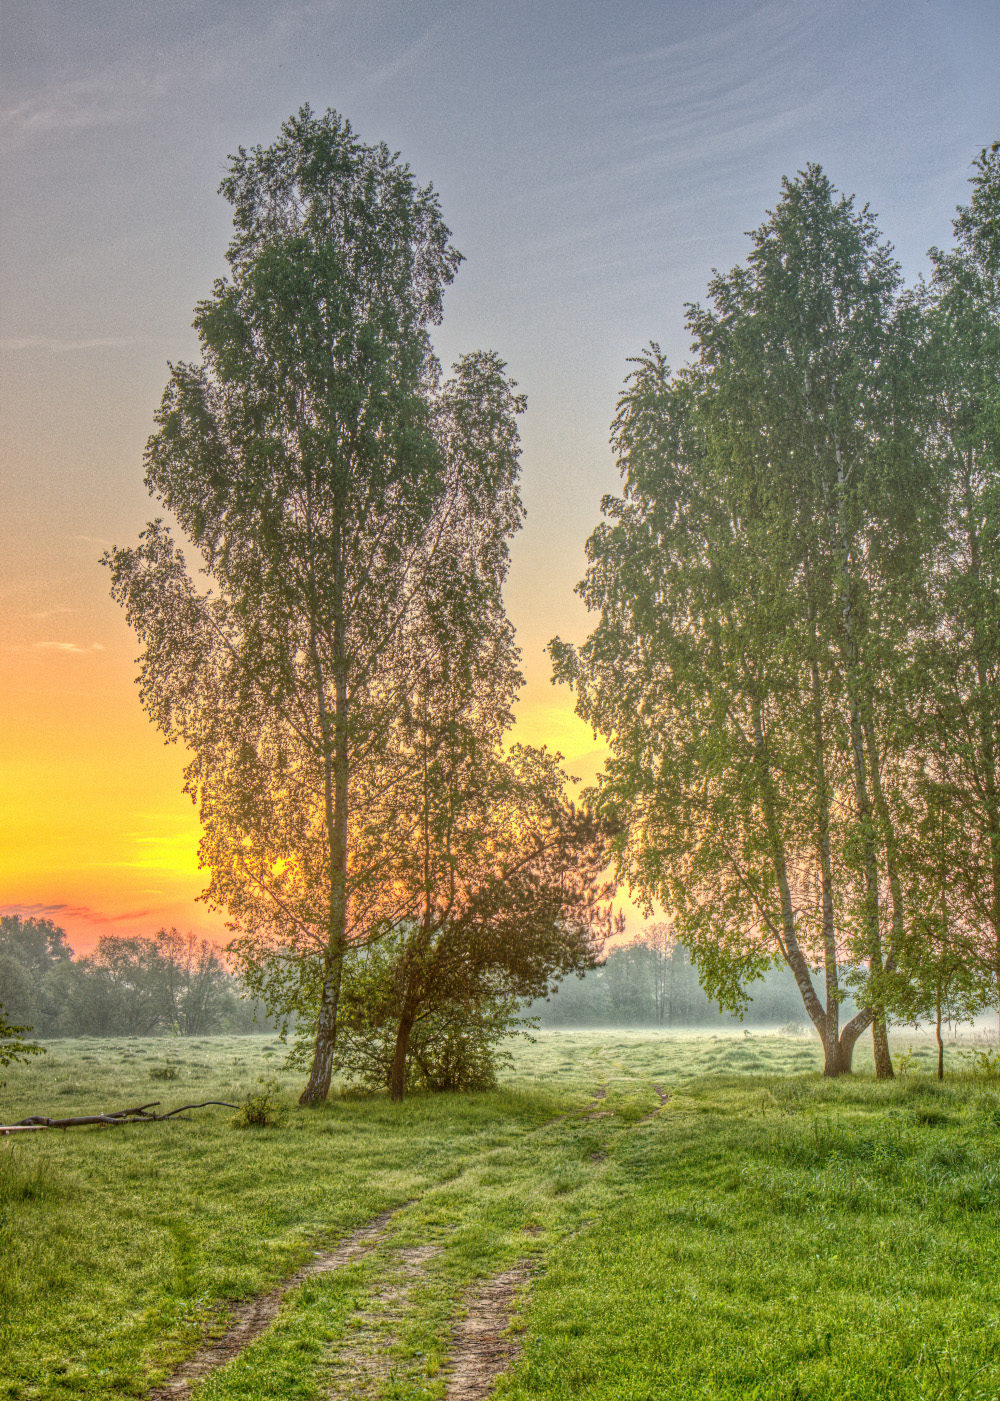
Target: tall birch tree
{"points": [[754, 585], [312, 460], [956, 742]]}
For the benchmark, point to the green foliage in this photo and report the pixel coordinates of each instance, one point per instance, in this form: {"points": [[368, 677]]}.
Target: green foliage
{"points": [[261, 1108], [350, 506], [985, 1061], [452, 1046], [129, 985], [14, 1048], [34, 964], [457, 1052], [956, 786], [797, 599], [652, 981]]}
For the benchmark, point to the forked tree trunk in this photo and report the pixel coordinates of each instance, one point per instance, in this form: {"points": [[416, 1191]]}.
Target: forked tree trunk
{"points": [[866, 815], [838, 1051], [849, 1038], [825, 1022]]}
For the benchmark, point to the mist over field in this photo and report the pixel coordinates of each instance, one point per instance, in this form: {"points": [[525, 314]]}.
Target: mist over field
{"points": [[500, 664]]}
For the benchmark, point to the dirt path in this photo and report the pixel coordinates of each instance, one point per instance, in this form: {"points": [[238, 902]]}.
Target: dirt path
{"points": [[481, 1347], [250, 1319], [663, 1097], [480, 1351]]}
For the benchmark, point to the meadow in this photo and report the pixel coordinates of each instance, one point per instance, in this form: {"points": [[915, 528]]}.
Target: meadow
{"points": [[683, 1216]]}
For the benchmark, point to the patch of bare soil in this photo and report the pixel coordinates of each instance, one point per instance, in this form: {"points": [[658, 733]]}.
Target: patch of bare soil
{"points": [[600, 1093], [663, 1097], [480, 1351], [364, 1364], [249, 1319]]}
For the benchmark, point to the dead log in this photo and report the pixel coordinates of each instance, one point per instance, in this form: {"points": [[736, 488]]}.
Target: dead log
{"points": [[221, 1102], [138, 1115]]}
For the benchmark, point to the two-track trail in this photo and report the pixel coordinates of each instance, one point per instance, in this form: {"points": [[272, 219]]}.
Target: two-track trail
{"points": [[479, 1345], [248, 1320]]}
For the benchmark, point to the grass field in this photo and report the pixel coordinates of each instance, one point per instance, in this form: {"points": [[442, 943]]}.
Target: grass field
{"points": [[765, 1234]]}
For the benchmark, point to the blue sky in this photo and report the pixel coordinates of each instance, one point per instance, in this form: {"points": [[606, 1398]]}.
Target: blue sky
{"points": [[594, 161]]}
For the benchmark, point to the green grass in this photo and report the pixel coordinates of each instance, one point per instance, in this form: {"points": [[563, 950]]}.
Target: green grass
{"points": [[768, 1234]]}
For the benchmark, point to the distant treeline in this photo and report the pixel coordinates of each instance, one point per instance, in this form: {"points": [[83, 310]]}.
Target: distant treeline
{"points": [[652, 981], [135, 985], [173, 984]]}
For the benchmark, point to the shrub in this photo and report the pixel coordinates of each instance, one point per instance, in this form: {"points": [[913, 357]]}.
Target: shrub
{"points": [[457, 1049], [14, 1049], [454, 1046], [984, 1062], [261, 1109], [164, 1072]]}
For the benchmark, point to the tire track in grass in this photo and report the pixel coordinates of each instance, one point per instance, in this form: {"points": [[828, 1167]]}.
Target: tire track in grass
{"points": [[663, 1097], [482, 1347], [252, 1317], [599, 1093]]}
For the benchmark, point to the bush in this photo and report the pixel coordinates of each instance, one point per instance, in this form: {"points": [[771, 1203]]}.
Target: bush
{"points": [[984, 1062], [453, 1050], [164, 1072], [261, 1109], [455, 1046], [14, 1049]]}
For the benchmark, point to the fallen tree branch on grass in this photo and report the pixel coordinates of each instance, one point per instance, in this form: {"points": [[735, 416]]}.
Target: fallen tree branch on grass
{"points": [[139, 1115]]}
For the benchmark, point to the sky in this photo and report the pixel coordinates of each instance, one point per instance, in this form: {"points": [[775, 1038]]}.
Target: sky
{"points": [[594, 161]]}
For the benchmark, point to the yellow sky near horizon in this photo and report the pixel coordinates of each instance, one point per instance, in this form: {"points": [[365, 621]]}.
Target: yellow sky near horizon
{"points": [[95, 832]]}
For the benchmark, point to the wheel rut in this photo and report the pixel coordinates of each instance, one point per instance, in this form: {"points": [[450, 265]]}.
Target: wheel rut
{"points": [[252, 1317], [663, 1097], [481, 1346], [601, 1092]]}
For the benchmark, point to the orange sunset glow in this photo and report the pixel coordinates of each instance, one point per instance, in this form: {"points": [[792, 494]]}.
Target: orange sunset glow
{"points": [[536, 140]]}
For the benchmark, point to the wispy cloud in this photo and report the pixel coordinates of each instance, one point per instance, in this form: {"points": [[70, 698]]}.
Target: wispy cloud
{"points": [[73, 648], [106, 99], [14, 345], [62, 910]]}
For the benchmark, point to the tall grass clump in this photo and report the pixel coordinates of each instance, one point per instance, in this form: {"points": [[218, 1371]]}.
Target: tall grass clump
{"points": [[24, 1182], [26, 1189]]}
